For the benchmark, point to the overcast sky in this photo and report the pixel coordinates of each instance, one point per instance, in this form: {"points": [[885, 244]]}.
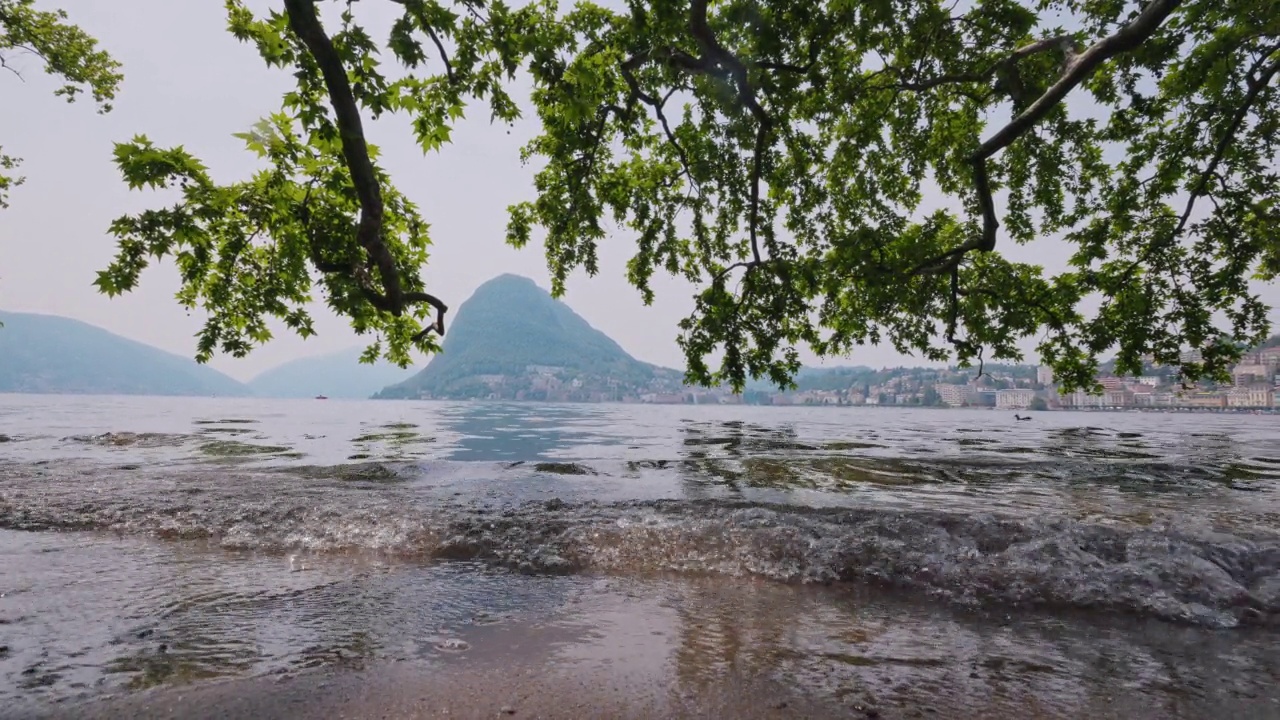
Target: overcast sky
{"points": [[187, 81]]}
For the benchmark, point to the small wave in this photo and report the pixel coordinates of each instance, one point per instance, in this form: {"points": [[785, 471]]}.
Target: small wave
{"points": [[1205, 578], [132, 439], [236, 448], [564, 468]]}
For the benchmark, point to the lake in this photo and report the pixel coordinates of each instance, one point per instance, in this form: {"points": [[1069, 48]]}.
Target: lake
{"points": [[883, 562]]}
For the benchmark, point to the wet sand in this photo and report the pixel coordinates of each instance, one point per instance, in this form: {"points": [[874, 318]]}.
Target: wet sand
{"points": [[401, 692]]}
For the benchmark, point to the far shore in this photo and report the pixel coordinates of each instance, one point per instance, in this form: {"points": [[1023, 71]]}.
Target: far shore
{"points": [[829, 406]]}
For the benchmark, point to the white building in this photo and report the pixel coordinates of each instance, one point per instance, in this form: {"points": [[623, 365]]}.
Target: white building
{"points": [[1016, 399], [1252, 396], [956, 395]]}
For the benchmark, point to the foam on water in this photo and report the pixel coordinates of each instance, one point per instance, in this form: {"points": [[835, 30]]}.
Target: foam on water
{"points": [[1179, 571], [1166, 516], [87, 616]]}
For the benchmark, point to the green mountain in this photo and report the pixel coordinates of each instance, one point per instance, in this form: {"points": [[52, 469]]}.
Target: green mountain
{"points": [[51, 354], [512, 340], [336, 375]]}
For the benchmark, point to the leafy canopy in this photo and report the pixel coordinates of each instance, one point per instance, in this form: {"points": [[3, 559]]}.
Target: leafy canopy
{"points": [[779, 155], [829, 173], [65, 51]]}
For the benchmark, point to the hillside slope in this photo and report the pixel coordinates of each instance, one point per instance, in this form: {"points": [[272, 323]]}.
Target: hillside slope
{"points": [[52, 354], [512, 339]]}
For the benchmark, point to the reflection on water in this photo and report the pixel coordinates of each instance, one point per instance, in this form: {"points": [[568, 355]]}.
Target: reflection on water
{"points": [[879, 654], [85, 613], [731, 445], [498, 432]]}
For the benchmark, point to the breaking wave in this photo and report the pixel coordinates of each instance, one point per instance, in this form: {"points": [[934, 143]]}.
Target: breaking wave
{"points": [[1188, 574]]}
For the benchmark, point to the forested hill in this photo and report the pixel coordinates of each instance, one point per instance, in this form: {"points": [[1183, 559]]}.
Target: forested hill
{"points": [[51, 354], [512, 339]]}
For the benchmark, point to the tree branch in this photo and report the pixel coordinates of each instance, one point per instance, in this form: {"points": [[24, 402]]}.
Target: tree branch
{"points": [[431, 32], [1065, 43], [441, 309], [715, 60], [13, 70], [748, 265], [717, 55], [628, 74], [305, 23], [597, 139], [1076, 69], [448, 67], [1255, 87], [783, 67]]}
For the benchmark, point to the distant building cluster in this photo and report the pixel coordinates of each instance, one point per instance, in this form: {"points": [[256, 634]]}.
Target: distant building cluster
{"points": [[1255, 386], [554, 383], [1015, 388]]}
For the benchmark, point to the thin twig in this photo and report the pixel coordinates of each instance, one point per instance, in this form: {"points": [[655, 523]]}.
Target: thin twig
{"points": [[628, 74], [448, 67], [718, 55], [13, 70]]}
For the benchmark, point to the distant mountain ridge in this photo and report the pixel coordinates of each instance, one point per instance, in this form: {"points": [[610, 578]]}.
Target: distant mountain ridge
{"points": [[53, 354], [335, 375], [512, 340]]}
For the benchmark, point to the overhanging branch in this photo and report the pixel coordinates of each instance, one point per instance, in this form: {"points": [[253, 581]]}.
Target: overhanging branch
{"points": [[628, 74], [1260, 76], [1077, 67], [716, 55], [714, 60], [416, 5], [305, 23]]}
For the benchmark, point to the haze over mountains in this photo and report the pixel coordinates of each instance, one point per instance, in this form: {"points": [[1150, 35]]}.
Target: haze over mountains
{"points": [[335, 375], [51, 354], [509, 340]]}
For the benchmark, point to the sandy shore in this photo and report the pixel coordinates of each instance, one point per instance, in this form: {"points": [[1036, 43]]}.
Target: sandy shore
{"points": [[403, 691], [398, 691]]}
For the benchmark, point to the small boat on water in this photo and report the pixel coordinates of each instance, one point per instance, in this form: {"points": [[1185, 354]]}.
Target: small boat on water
{"points": [[321, 397]]}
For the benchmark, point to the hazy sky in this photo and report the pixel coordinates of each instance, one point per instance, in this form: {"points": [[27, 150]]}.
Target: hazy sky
{"points": [[187, 81]]}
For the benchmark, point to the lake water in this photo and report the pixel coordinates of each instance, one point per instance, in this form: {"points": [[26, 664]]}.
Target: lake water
{"points": [[887, 561]]}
